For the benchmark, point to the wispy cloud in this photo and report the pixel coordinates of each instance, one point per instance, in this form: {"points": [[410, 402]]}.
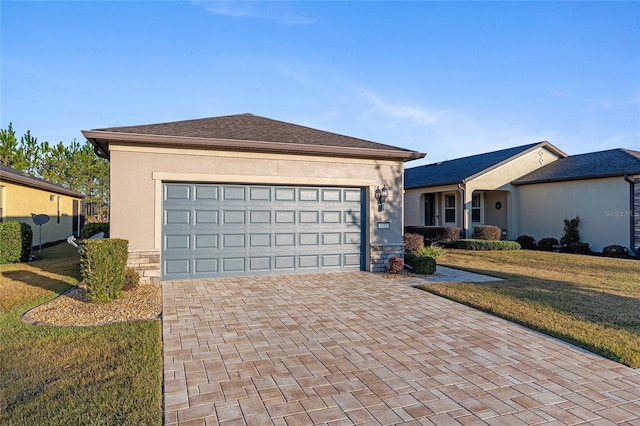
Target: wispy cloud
{"points": [[279, 12], [397, 111]]}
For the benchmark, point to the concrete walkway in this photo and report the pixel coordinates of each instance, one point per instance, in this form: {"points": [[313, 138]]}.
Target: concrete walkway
{"points": [[356, 348]]}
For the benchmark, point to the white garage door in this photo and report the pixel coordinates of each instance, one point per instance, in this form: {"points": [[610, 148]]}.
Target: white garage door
{"points": [[213, 230]]}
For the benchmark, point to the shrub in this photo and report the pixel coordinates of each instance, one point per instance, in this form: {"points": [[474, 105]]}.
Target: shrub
{"points": [[473, 244], [615, 251], [486, 232], [435, 233], [434, 251], [570, 234], [423, 265], [546, 244], [92, 228], [413, 243], [16, 240], [526, 242], [103, 268], [581, 248], [395, 265], [131, 279]]}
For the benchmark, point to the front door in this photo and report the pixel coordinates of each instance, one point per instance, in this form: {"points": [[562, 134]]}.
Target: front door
{"points": [[429, 210]]}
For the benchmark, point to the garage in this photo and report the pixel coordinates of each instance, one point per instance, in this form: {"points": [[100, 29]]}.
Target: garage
{"points": [[248, 195], [226, 230]]}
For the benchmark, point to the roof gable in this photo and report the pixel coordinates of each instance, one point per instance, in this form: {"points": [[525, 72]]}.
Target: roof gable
{"points": [[10, 174], [245, 132], [461, 169], [610, 163]]}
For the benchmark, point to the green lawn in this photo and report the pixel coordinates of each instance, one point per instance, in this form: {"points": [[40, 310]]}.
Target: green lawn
{"points": [[109, 374], [592, 302]]}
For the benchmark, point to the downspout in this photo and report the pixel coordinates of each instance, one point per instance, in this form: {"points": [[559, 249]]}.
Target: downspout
{"points": [[632, 215], [461, 188]]}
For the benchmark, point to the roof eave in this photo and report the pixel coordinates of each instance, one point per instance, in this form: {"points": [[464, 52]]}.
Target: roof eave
{"points": [[101, 139], [570, 178], [45, 186]]}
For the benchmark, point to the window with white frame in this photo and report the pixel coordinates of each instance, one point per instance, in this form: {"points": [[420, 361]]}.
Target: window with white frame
{"points": [[475, 208], [1, 202], [450, 208]]}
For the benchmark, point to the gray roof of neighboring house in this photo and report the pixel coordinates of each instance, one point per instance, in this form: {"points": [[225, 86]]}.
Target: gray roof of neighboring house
{"points": [[461, 169], [610, 163], [245, 132], [10, 174]]}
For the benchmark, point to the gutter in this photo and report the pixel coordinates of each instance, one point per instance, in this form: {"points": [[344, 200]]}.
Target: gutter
{"points": [[632, 215], [97, 136]]}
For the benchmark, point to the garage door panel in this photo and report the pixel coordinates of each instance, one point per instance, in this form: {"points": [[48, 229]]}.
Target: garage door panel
{"points": [[219, 230], [206, 193]]}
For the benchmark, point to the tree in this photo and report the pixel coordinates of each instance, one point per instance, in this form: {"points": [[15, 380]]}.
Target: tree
{"points": [[10, 154]]}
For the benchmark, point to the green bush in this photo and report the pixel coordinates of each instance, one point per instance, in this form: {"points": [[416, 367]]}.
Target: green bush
{"points": [[434, 251], [570, 234], [472, 244], [486, 232], [615, 251], [103, 268], [396, 265], [131, 279], [580, 248], [16, 240], [92, 228], [413, 243], [546, 244], [422, 265], [435, 233], [526, 242]]}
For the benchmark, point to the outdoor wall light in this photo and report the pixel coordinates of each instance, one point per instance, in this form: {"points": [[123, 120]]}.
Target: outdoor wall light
{"points": [[381, 196]]}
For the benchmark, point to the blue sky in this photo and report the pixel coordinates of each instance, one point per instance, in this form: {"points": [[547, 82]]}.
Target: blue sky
{"points": [[447, 78]]}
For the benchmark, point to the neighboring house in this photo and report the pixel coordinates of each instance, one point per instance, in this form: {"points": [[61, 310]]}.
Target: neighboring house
{"points": [[22, 195], [530, 190], [601, 188], [244, 195]]}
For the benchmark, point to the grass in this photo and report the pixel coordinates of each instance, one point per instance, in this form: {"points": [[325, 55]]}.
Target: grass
{"points": [[592, 302], [109, 374]]}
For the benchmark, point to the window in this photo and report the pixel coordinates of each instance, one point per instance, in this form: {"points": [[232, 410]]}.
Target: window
{"points": [[475, 208], [58, 210], [450, 208], [1, 201]]}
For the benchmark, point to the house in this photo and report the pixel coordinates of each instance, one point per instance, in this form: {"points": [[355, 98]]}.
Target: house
{"points": [[601, 188], [22, 195], [530, 190], [245, 195]]}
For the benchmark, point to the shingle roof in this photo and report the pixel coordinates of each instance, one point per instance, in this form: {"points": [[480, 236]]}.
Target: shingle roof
{"points": [[241, 131], [610, 163], [456, 171], [10, 174]]}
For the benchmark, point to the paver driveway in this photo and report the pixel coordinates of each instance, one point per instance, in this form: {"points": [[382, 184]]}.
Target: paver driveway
{"points": [[356, 348]]}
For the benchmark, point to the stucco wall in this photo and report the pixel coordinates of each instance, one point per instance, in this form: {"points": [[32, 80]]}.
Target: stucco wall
{"points": [[137, 174], [18, 202], [601, 204]]}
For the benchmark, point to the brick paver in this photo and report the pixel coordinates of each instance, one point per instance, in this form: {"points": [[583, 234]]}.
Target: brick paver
{"points": [[356, 348]]}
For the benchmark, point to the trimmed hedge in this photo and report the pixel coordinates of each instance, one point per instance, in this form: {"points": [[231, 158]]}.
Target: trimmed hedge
{"points": [[92, 228], [526, 242], [546, 244], [413, 243], [423, 265], [435, 233], [104, 262], [473, 244], [16, 240], [615, 251], [486, 232]]}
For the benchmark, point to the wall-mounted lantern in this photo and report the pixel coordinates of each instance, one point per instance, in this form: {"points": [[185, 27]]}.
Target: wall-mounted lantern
{"points": [[381, 196]]}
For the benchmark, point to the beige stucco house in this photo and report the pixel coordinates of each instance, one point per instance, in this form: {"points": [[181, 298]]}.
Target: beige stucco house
{"points": [[242, 195], [530, 190], [22, 195]]}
